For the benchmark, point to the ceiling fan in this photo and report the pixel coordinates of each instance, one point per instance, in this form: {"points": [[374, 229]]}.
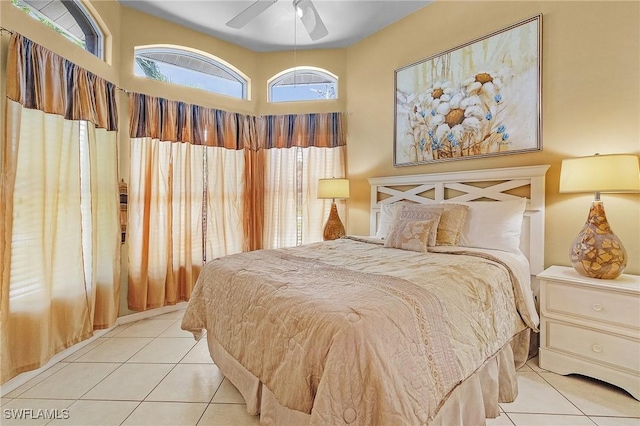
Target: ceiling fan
{"points": [[305, 10]]}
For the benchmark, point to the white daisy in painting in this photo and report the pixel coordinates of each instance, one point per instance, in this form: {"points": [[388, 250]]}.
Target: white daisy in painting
{"points": [[447, 121], [487, 85]]}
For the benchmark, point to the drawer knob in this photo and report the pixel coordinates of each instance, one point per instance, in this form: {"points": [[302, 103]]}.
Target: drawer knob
{"points": [[597, 307], [597, 348]]}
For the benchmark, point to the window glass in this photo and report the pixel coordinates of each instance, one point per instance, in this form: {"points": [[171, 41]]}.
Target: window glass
{"points": [[303, 84], [68, 18], [187, 68]]}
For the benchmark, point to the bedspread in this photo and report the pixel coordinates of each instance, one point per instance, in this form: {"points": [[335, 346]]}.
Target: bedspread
{"points": [[359, 333]]}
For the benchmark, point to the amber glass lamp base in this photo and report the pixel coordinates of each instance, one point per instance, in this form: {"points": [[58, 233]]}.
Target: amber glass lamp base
{"points": [[334, 228], [597, 252]]}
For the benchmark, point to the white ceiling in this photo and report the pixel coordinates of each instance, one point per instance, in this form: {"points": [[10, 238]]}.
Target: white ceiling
{"points": [[278, 28]]}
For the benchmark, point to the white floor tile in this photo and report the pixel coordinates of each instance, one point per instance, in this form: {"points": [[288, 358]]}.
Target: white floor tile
{"points": [[147, 328], [176, 331], [37, 379], [502, 420], [615, 421], [71, 382], [199, 354], [533, 363], [33, 412], [593, 397], [188, 383], [86, 348], [228, 414], [115, 349], [522, 419], [130, 382], [97, 413], [537, 396], [164, 350], [118, 330], [228, 394], [167, 413]]}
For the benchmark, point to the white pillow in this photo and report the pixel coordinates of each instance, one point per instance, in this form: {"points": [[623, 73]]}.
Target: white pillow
{"points": [[386, 218], [493, 225]]}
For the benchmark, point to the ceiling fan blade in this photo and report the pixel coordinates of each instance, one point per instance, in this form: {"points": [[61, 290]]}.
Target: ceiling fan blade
{"points": [[311, 19], [255, 9]]}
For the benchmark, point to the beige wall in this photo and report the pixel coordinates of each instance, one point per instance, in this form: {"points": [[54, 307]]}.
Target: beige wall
{"points": [[591, 92], [591, 102]]}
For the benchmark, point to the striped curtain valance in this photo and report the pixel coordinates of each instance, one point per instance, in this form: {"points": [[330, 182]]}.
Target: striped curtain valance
{"points": [[302, 130], [175, 121], [45, 81]]}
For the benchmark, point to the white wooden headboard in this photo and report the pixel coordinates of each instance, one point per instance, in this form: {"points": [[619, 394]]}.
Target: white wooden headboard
{"points": [[476, 185]]}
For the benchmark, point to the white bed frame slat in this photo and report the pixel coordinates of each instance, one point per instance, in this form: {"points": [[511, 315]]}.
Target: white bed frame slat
{"points": [[497, 182]]}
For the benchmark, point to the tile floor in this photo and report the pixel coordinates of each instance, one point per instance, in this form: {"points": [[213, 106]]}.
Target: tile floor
{"points": [[150, 372]]}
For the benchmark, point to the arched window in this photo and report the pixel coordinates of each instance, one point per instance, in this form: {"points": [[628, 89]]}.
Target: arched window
{"points": [[303, 84], [191, 68], [69, 18]]}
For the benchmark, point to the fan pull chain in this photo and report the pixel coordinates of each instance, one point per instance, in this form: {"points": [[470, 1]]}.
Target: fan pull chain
{"points": [[295, 45]]}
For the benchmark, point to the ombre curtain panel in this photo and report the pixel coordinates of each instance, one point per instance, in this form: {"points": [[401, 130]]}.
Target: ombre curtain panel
{"points": [[186, 195], [59, 223], [251, 187]]}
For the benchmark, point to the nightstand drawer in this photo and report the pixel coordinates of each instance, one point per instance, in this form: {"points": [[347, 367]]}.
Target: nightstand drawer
{"points": [[594, 345], [596, 304]]}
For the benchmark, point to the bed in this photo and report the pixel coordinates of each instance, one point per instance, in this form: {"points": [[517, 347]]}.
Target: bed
{"points": [[364, 331]]}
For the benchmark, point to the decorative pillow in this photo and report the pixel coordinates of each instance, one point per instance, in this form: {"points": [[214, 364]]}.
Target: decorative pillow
{"points": [[411, 211], [387, 210], [451, 224], [495, 225], [409, 234]]}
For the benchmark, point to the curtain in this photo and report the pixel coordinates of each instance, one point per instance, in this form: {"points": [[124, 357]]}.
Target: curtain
{"points": [[186, 196], [300, 149], [205, 183], [225, 202], [58, 215], [319, 163], [281, 208], [165, 221]]}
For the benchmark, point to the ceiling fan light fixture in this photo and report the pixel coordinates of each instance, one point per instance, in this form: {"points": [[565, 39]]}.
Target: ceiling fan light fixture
{"points": [[310, 19], [305, 10]]}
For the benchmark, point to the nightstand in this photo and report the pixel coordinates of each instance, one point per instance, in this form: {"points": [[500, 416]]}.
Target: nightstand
{"points": [[591, 327]]}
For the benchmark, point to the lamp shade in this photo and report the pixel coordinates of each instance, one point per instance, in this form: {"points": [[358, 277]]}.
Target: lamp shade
{"points": [[333, 188], [600, 173]]}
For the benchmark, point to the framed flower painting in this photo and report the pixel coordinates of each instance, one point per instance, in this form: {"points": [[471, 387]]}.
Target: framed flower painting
{"points": [[476, 100]]}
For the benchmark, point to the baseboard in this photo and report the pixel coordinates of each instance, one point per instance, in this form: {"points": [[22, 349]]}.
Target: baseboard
{"points": [[150, 313]]}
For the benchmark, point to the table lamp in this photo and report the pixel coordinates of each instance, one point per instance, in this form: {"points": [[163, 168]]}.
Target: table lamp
{"points": [[333, 188], [597, 252]]}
